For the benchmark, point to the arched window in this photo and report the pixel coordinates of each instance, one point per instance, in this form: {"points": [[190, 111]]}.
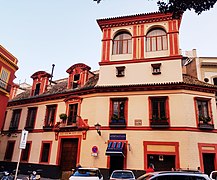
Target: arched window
{"points": [[156, 40], [122, 43]]}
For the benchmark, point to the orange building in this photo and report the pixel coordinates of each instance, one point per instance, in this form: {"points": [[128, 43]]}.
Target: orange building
{"points": [[8, 67], [141, 107]]}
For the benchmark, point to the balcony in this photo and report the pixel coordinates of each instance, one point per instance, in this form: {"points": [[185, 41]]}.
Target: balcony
{"points": [[5, 86], [47, 127], [159, 123], [206, 126], [117, 123]]}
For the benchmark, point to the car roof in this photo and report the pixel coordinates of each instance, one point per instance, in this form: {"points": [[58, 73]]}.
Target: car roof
{"points": [[82, 168], [192, 173], [122, 171]]}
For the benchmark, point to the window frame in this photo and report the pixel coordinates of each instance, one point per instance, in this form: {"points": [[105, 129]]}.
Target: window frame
{"points": [[4, 82], [119, 120], [156, 68], [26, 151], [156, 40], [50, 113], [164, 120], [74, 111], [120, 71], [31, 118], [209, 110], [9, 151], [16, 112], [44, 153], [121, 44]]}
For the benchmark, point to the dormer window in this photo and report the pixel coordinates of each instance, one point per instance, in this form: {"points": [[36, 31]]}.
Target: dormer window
{"points": [[156, 40], [156, 68], [122, 43], [37, 89], [120, 71], [75, 82]]}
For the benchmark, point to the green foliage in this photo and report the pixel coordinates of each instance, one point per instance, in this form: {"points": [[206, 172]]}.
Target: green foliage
{"points": [[205, 120], [63, 116]]}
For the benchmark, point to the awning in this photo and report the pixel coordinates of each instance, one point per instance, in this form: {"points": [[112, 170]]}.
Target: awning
{"points": [[115, 148]]}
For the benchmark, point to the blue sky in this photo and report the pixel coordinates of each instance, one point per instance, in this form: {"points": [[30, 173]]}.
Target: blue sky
{"points": [[64, 32]]}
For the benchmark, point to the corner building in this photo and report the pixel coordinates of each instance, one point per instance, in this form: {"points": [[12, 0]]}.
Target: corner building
{"points": [[148, 109]]}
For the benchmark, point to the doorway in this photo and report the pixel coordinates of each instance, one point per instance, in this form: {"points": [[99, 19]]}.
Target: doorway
{"points": [[116, 163], [162, 162], [69, 149], [208, 162]]}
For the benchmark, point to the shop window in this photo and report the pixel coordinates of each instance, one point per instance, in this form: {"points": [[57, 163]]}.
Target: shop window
{"points": [[31, 116], [156, 40], [26, 152], [120, 71], [50, 116], [118, 112], [9, 151], [45, 152], [156, 68], [159, 111], [122, 43], [72, 114], [15, 119], [203, 113]]}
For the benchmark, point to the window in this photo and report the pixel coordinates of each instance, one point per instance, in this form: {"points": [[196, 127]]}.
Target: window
{"points": [[45, 152], [4, 77], [31, 116], [122, 43], [203, 112], [9, 150], [156, 68], [76, 81], [156, 40], [118, 111], [120, 71], [37, 89], [50, 115], [26, 152], [15, 119], [159, 111], [72, 114]]}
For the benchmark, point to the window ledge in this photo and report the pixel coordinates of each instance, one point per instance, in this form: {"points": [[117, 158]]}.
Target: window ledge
{"points": [[159, 124], [155, 73], [117, 124], [206, 126]]}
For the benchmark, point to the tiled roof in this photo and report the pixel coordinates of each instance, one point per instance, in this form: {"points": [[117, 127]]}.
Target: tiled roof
{"points": [[61, 87]]}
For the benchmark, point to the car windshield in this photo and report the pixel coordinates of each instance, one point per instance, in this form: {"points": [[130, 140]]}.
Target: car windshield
{"points": [[123, 175], [85, 172]]}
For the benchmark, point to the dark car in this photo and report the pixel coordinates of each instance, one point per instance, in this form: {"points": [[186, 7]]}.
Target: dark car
{"points": [[174, 175]]}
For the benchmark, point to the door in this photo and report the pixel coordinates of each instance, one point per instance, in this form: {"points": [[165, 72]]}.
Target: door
{"points": [[116, 163], [208, 162], [162, 162], [69, 149]]}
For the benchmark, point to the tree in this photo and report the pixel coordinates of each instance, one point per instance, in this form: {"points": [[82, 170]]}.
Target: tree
{"points": [[178, 7]]}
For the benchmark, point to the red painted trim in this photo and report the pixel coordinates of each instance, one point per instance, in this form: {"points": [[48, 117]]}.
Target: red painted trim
{"points": [[142, 42], [176, 153], [79, 137], [49, 155], [141, 60], [108, 45], [201, 151], [125, 153], [30, 146], [134, 41]]}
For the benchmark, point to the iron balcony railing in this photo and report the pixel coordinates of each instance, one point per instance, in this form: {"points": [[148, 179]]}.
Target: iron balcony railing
{"points": [[5, 86]]}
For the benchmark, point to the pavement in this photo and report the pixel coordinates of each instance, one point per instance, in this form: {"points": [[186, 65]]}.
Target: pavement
{"points": [[25, 177]]}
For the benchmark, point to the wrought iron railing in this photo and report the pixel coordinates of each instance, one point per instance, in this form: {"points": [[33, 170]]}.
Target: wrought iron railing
{"points": [[5, 86]]}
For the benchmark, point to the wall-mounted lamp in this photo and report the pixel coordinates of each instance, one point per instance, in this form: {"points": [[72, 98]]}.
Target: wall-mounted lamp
{"points": [[98, 126]]}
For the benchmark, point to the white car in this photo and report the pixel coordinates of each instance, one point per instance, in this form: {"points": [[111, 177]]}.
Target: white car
{"points": [[87, 173], [122, 174], [213, 175]]}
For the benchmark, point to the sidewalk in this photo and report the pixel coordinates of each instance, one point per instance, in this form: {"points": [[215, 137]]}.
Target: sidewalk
{"points": [[24, 177]]}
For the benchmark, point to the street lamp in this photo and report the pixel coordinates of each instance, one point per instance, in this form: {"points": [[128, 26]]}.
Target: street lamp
{"points": [[98, 126]]}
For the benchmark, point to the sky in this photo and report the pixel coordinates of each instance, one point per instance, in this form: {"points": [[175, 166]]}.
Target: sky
{"points": [[40, 33]]}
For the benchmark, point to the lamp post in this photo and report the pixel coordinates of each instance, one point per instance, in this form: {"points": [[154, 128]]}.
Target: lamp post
{"points": [[98, 126]]}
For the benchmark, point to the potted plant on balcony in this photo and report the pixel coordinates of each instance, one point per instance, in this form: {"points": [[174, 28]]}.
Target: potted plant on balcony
{"points": [[63, 117], [204, 120]]}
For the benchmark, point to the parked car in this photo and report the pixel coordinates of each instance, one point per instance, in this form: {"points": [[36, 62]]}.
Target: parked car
{"points": [[122, 174], [213, 175], [174, 175], [87, 173]]}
